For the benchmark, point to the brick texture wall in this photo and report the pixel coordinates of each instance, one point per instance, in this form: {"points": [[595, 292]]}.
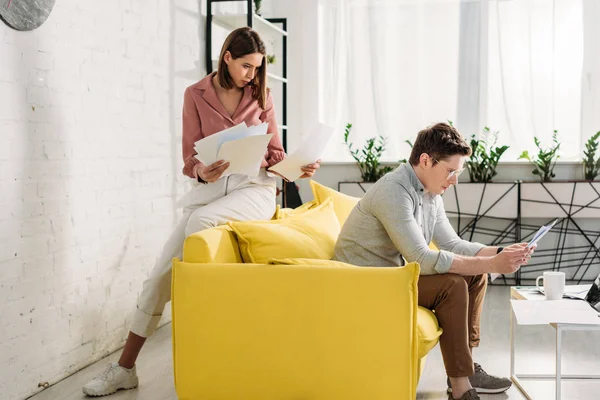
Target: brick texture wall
{"points": [[90, 163]]}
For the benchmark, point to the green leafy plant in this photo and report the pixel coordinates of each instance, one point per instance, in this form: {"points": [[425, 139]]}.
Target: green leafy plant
{"points": [[368, 157], [485, 157], [257, 6], [591, 164], [545, 161], [271, 59]]}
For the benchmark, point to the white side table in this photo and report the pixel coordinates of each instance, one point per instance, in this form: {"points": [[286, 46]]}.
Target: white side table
{"points": [[528, 293]]}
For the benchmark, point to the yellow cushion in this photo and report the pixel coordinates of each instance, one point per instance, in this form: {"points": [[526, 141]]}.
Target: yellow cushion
{"points": [[342, 203], [307, 261], [281, 213], [429, 330], [257, 332], [311, 234]]}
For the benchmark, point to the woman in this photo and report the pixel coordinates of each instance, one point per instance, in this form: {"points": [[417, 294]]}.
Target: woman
{"points": [[236, 93]]}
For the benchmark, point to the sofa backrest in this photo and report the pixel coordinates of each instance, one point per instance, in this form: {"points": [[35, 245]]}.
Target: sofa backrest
{"points": [[214, 245]]}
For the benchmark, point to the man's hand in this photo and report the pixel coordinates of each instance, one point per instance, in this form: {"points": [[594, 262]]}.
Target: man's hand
{"points": [[212, 172], [511, 258], [310, 169]]}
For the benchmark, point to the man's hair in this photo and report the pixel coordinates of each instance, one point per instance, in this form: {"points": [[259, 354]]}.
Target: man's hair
{"points": [[439, 141]]}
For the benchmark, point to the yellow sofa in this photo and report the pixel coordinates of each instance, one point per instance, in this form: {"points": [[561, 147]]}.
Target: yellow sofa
{"points": [[322, 332]]}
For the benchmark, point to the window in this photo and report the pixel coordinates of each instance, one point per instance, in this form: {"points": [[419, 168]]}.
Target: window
{"points": [[392, 67]]}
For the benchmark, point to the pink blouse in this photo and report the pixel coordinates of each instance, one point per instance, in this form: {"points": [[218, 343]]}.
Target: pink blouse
{"points": [[204, 115]]}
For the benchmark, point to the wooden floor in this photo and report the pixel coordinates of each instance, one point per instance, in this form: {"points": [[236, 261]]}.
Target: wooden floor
{"points": [[535, 354]]}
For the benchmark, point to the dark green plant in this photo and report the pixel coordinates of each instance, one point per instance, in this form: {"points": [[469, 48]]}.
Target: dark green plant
{"points": [[368, 157], [257, 6], [545, 161], [485, 157], [271, 59], [591, 164]]}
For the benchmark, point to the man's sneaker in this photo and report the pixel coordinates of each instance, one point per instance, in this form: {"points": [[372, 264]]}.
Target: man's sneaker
{"points": [[112, 379], [469, 395], [484, 383]]}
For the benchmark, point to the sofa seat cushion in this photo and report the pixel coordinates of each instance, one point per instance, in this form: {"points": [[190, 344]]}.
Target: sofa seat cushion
{"points": [[311, 234], [428, 329], [307, 261]]}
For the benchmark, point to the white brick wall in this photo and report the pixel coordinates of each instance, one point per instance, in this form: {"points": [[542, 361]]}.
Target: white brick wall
{"points": [[90, 107]]}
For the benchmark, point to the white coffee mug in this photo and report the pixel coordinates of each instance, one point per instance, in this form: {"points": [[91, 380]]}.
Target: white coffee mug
{"points": [[554, 284]]}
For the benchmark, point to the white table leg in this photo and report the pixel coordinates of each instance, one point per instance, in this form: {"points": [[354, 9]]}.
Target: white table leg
{"points": [[512, 342], [558, 361]]}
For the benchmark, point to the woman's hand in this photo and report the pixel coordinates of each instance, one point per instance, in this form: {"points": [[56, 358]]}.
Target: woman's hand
{"points": [[210, 173], [310, 169]]}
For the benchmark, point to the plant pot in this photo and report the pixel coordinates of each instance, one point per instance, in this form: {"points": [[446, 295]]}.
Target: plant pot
{"points": [[354, 189]]}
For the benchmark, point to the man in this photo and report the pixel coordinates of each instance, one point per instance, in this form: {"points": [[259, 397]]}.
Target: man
{"points": [[398, 218]]}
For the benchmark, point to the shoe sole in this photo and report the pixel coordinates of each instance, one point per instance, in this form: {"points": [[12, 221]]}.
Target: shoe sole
{"points": [[486, 391], [112, 392]]}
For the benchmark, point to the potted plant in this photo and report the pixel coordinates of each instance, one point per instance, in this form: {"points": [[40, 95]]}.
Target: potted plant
{"points": [[545, 161], [485, 156], [257, 4], [591, 164], [368, 161], [271, 59]]}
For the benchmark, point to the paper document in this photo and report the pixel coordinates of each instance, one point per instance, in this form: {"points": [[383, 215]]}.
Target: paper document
{"points": [[207, 149], [538, 235], [544, 312], [541, 232], [245, 155], [308, 153]]}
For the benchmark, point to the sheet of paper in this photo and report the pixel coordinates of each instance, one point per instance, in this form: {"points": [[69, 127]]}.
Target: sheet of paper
{"points": [[493, 276], [559, 311], [308, 153], [245, 155], [541, 232], [208, 148]]}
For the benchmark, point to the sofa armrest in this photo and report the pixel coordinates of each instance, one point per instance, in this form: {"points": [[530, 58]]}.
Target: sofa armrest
{"points": [[214, 245], [284, 332]]}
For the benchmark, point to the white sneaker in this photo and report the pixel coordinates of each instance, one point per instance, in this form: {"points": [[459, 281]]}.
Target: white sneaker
{"points": [[112, 379]]}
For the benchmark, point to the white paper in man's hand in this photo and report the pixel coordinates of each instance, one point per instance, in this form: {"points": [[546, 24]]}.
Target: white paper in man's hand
{"points": [[310, 151], [245, 155]]}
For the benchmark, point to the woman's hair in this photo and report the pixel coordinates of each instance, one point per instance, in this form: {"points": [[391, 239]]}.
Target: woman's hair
{"points": [[439, 141], [240, 43]]}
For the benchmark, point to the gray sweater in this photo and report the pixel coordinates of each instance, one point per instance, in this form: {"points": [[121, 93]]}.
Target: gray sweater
{"points": [[397, 219]]}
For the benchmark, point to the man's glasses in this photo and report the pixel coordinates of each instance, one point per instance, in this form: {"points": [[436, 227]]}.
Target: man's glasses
{"points": [[451, 174]]}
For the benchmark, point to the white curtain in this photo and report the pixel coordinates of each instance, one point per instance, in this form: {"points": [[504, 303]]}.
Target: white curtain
{"points": [[392, 67], [389, 67], [535, 71]]}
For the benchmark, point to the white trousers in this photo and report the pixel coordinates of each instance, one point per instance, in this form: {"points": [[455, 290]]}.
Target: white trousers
{"points": [[233, 198]]}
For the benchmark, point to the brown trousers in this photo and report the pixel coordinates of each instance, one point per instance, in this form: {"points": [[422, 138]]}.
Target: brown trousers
{"points": [[457, 302]]}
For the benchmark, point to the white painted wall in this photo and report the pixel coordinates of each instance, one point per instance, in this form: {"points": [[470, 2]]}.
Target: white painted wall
{"points": [[90, 163]]}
